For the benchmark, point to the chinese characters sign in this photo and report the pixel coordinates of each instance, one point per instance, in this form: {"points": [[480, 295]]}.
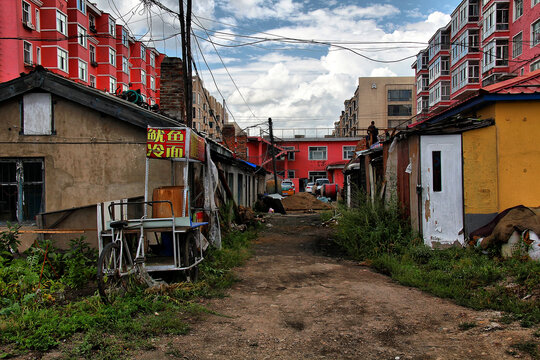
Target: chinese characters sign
{"points": [[171, 143]]}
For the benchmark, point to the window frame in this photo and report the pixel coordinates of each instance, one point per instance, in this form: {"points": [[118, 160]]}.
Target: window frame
{"points": [[348, 149], [112, 27], [82, 36], [143, 77], [112, 56], [27, 12], [515, 8], [81, 6], [112, 85], [143, 53], [29, 52], [312, 151], [517, 44], [125, 65], [535, 42], [61, 22], [125, 37], [59, 51], [92, 81], [92, 54], [84, 68], [152, 59]]}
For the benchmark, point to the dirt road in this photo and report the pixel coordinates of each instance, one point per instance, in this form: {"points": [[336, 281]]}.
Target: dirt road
{"points": [[294, 304]]}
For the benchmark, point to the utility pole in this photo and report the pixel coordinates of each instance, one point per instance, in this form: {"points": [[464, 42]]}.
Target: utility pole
{"points": [[185, 30], [273, 154]]}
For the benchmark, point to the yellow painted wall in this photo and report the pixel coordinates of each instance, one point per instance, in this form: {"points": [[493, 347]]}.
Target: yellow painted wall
{"points": [[518, 139], [480, 185]]}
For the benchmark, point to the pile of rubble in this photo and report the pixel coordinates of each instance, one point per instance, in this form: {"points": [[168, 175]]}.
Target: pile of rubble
{"points": [[304, 201]]}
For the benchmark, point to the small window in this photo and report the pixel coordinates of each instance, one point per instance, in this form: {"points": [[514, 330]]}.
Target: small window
{"points": [[21, 189], [518, 9], [399, 110], [26, 17], [535, 65], [61, 23], [38, 55], [81, 32], [92, 55], [125, 65], [83, 70], [437, 173], [112, 57], [535, 34], [517, 42], [152, 83], [38, 21], [92, 81], [152, 59], [81, 5], [143, 53], [348, 152], [62, 60], [317, 153], [92, 22], [112, 85], [143, 77], [37, 114], [112, 28], [125, 38], [27, 53], [291, 174], [399, 95]]}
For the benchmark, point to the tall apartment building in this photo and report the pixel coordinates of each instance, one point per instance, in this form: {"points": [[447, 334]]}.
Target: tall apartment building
{"points": [[209, 115], [388, 101], [75, 39], [486, 41]]}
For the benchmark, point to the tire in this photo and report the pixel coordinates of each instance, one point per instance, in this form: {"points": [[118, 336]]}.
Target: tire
{"points": [[110, 284], [189, 255]]}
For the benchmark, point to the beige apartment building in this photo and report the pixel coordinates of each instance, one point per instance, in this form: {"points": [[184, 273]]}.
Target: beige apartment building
{"points": [[388, 101], [209, 114]]}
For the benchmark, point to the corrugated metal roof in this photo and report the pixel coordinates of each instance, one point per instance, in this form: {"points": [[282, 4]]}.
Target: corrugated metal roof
{"points": [[528, 84]]}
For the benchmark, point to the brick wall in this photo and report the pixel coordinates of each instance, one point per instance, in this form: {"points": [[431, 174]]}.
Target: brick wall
{"points": [[237, 142], [172, 89]]}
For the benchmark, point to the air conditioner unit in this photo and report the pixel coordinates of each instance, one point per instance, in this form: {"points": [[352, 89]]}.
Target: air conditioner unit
{"points": [[94, 63], [29, 25]]}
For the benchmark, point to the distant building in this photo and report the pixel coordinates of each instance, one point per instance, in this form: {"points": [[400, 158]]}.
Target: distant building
{"points": [[487, 41], [388, 101], [75, 39], [209, 115]]}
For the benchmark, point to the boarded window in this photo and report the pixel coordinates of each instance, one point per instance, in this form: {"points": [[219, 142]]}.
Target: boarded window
{"points": [[37, 114]]}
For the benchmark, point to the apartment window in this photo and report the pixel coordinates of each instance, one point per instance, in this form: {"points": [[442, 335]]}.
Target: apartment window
{"points": [[125, 65], [112, 27], [348, 152], [27, 53], [37, 114], [92, 54], [92, 81], [399, 110], [143, 53], [399, 95], [194, 112], [125, 37], [518, 9], [152, 59], [92, 22], [317, 153], [26, 17], [61, 22], [112, 85], [535, 33], [489, 56], [38, 55], [517, 42], [21, 189], [38, 22], [143, 77], [501, 48], [62, 60], [83, 70], [82, 35], [112, 57], [125, 87], [152, 83], [535, 65]]}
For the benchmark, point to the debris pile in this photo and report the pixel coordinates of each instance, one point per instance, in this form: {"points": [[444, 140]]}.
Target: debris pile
{"points": [[304, 201]]}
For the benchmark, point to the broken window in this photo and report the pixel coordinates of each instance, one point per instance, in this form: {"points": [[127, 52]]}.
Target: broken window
{"points": [[21, 189]]}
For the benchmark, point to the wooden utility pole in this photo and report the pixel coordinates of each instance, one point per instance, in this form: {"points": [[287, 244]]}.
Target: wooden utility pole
{"points": [[185, 31], [273, 154]]}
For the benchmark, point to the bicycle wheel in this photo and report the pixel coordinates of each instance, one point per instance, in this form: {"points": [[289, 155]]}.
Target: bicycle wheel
{"points": [[189, 256], [110, 283]]}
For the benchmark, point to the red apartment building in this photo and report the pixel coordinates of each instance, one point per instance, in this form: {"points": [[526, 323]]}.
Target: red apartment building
{"points": [[75, 39], [486, 41], [304, 159]]}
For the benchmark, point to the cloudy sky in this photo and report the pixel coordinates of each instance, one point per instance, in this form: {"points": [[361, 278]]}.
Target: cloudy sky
{"points": [[293, 60]]}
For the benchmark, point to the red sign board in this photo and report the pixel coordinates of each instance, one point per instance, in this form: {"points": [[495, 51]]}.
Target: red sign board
{"points": [[162, 143]]}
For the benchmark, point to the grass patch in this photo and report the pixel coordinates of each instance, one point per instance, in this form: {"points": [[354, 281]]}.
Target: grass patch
{"points": [[528, 347], [35, 314], [379, 233], [466, 326]]}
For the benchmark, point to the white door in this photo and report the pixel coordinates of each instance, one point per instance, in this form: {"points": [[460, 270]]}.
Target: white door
{"points": [[442, 190]]}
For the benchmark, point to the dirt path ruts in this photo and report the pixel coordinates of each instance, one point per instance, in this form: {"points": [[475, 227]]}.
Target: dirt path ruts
{"points": [[294, 304]]}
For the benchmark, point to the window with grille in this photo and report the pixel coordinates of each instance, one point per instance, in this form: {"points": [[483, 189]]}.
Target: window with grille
{"points": [[21, 189]]}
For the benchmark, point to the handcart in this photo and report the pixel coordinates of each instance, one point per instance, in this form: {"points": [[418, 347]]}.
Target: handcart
{"points": [[124, 240]]}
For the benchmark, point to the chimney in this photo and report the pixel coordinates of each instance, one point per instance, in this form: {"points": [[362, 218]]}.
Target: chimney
{"points": [[172, 89]]}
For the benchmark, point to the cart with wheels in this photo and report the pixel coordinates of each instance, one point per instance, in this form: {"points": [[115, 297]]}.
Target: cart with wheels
{"points": [[124, 240]]}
